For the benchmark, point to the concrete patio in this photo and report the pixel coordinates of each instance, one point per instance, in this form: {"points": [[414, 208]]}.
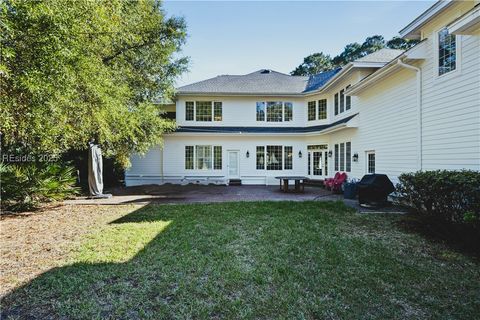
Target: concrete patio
{"points": [[192, 193]]}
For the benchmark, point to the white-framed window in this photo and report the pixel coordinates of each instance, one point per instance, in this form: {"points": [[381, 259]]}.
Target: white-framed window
{"points": [[343, 156], [312, 108], [189, 110], [322, 109], [206, 111], [447, 52], [274, 111], [343, 102], [370, 158], [274, 157], [203, 157]]}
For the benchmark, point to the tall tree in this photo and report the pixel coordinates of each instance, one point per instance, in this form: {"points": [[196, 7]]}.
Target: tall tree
{"points": [[76, 69], [313, 64], [400, 43], [351, 52]]}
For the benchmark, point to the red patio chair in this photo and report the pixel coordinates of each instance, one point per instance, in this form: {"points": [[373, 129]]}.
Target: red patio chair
{"points": [[328, 182], [337, 183]]}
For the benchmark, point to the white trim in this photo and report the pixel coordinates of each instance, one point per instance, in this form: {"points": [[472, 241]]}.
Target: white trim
{"points": [[458, 54], [411, 31], [367, 153], [466, 24]]}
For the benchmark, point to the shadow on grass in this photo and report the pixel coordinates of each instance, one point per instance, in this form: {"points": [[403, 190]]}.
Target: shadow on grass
{"points": [[147, 261], [248, 260]]}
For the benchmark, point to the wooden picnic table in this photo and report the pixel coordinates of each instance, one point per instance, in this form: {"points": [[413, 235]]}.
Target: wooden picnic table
{"points": [[299, 183]]}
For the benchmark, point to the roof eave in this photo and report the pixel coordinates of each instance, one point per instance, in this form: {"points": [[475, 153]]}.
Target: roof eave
{"points": [[239, 94], [412, 30], [467, 24]]}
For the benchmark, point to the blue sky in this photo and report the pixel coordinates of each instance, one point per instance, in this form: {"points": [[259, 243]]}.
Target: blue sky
{"points": [[228, 37]]}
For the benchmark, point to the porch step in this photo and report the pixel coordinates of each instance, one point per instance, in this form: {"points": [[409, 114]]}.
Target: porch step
{"points": [[314, 182], [234, 182]]}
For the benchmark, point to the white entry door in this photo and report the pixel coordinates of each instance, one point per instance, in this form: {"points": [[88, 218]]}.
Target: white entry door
{"points": [[233, 164]]}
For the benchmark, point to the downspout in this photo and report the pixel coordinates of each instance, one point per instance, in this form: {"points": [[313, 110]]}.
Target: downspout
{"points": [[419, 110]]}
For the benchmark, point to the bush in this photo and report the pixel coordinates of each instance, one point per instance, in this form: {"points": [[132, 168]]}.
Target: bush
{"points": [[453, 196], [25, 186]]}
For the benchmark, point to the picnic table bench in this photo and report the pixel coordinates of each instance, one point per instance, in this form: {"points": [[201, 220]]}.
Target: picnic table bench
{"points": [[299, 183]]}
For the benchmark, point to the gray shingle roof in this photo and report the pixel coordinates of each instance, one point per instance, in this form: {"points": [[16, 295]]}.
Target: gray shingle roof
{"points": [[261, 81], [270, 82], [382, 56]]}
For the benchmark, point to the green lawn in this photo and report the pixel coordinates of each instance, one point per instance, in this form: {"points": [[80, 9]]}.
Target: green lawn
{"points": [[255, 260]]}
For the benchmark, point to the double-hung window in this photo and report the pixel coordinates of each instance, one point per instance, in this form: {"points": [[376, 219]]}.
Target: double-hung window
{"points": [[312, 110], [447, 52], [203, 157], [322, 109], [274, 157], [342, 101], [343, 156], [203, 111], [274, 111]]}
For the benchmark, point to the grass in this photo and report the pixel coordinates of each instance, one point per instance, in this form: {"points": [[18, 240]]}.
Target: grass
{"points": [[254, 260]]}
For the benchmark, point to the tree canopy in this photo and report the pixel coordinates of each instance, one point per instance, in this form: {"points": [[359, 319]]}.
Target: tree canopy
{"points": [[78, 69], [319, 62]]}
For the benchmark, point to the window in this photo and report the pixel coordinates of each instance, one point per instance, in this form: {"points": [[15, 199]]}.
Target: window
{"points": [[288, 111], [202, 157], [342, 100], [348, 100], [217, 111], [322, 109], [274, 157], [337, 157], [274, 111], [189, 157], [336, 103], [343, 156], [189, 110], [217, 157], [288, 158], [447, 54], [311, 110], [260, 157], [260, 111], [371, 162], [203, 111], [348, 156]]}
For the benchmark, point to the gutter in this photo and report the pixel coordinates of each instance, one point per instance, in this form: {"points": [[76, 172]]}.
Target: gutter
{"points": [[418, 71]]}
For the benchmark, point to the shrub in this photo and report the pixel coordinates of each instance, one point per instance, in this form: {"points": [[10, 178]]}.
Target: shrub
{"points": [[451, 195], [25, 186]]}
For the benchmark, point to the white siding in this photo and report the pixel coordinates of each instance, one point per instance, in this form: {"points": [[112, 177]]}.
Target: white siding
{"points": [[146, 169], [174, 158], [388, 125], [451, 109], [241, 112]]}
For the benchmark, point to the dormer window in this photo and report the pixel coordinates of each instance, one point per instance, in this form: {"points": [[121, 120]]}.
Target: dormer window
{"points": [[447, 52]]}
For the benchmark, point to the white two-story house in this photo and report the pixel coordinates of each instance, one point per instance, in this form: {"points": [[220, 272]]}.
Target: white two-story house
{"points": [[389, 112]]}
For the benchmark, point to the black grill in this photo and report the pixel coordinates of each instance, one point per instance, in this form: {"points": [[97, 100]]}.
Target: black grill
{"points": [[374, 189]]}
